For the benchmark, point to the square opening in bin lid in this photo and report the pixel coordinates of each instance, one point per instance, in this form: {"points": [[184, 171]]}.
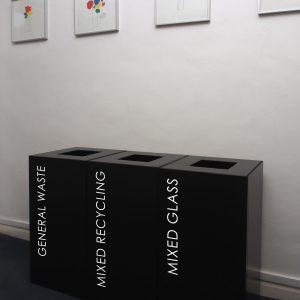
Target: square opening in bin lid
{"points": [[141, 158], [146, 159], [78, 153], [214, 165]]}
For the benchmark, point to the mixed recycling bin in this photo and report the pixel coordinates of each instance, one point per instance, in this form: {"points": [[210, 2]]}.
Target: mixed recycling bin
{"points": [[58, 218], [209, 221], [122, 227]]}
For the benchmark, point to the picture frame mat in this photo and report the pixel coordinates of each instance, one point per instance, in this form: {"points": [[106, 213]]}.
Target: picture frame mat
{"points": [[274, 11], [183, 22]]}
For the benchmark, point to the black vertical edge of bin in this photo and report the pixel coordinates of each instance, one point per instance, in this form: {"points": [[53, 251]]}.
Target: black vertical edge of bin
{"points": [[58, 216], [122, 192], [209, 239]]}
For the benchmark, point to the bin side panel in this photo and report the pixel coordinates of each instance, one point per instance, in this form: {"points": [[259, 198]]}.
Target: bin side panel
{"points": [[255, 188]]}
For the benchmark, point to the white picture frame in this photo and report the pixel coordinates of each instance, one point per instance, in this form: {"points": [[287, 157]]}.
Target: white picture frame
{"points": [[29, 20], [97, 18], [277, 6], [170, 12]]}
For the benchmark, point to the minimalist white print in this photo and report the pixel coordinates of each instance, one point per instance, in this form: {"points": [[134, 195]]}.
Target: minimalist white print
{"points": [[182, 11], [180, 5], [96, 16], [29, 20], [275, 6]]}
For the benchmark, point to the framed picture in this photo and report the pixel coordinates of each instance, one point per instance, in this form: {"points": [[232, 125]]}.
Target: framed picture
{"points": [[276, 6], [182, 11], [29, 20], [96, 16]]}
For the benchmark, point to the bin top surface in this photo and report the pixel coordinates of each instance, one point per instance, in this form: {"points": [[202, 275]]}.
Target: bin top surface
{"points": [[214, 165], [77, 153], [143, 159]]}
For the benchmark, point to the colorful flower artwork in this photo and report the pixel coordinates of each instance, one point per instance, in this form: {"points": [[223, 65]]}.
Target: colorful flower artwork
{"points": [[28, 11], [29, 20], [96, 5], [96, 16]]}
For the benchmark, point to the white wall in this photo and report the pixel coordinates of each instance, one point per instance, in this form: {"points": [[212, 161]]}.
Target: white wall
{"points": [[230, 88]]}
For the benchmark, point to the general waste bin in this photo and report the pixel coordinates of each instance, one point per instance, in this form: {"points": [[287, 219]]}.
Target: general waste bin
{"points": [[209, 220], [58, 215], [122, 194]]}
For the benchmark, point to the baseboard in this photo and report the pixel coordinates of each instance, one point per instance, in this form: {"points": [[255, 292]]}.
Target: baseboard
{"points": [[15, 232], [14, 228], [280, 292], [14, 223], [280, 279]]}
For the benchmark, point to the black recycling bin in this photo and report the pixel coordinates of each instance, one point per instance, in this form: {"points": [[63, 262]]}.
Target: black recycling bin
{"points": [[58, 215], [122, 193], [209, 222]]}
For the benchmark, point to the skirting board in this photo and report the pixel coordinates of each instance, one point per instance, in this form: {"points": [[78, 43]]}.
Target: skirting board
{"points": [[276, 278], [14, 223], [280, 292], [14, 228], [15, 232], [280, 279]]}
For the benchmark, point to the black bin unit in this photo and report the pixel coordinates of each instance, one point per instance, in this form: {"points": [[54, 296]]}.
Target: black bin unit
{"points": [[58, 218], [122, 193], [209, 224]]}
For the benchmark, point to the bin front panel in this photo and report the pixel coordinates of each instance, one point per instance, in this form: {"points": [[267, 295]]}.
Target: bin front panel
{"points": [[121, 231]]}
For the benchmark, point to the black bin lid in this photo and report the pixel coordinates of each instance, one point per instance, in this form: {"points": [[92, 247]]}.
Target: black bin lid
{"points": [[215, 165], [78, 153], [143, 159]]}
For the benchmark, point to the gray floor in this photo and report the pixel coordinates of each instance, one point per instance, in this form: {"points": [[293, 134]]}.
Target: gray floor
{"points": [[14, 274]]}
